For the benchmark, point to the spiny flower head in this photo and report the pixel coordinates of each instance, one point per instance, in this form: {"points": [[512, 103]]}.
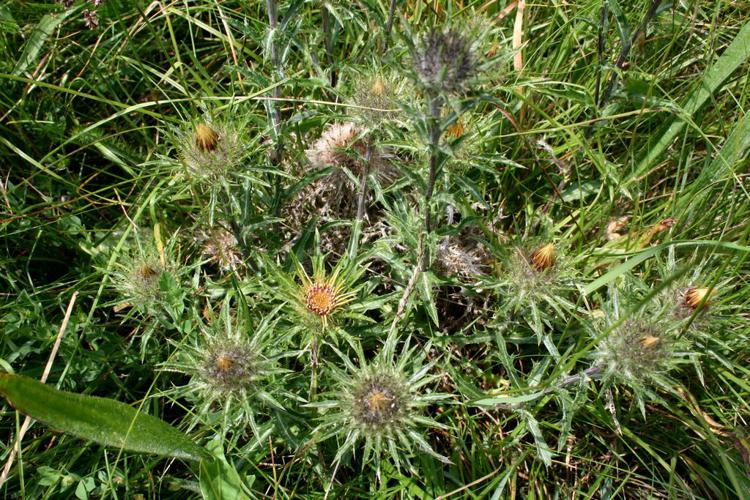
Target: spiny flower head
{"points": [[139, 272], [322, 296], [206, 138], [380, 404], [228, 365], [376, 97], [634, 350], [641, 349], [230, 368], [444, 60], [211, 151]]}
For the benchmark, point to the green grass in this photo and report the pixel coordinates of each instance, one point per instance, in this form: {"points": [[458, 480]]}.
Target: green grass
{"points": [[541, 381]]}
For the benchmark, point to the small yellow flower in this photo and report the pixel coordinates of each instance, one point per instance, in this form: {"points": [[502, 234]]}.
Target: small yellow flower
{"points": [[544, 257], [694, 297], [206, 138]]}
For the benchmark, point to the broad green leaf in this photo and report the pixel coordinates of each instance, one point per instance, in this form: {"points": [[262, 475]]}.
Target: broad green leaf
{"points": [[219, 479], [732, 58], [101, 420]]}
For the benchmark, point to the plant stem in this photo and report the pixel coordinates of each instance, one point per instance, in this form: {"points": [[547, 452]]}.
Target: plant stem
{"points": [[622, 58], [313, 369], [362, 199], [389, 25], [326, 17], [435, 103]]}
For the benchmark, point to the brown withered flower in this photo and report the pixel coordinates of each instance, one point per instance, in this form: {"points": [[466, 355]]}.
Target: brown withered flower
{"points": [[698, 297], [543, 258]]}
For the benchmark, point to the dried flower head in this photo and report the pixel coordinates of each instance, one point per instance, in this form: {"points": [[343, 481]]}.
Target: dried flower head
{"points": [[340, 145], [206, 138], [220, 247], [444, 60], [699, 297], [334, 197], [458, 257], [90, 19], [543, 258], [381, 403]]}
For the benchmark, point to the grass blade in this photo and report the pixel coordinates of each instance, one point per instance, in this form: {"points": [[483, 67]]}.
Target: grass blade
{"points": [[732, 58]]}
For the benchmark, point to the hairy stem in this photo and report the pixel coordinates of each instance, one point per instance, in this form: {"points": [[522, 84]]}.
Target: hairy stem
{"points": [[435, 103], [362, 198]]}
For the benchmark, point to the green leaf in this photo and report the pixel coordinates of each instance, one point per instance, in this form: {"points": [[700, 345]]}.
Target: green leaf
{"points": [[508, 400], [732, 58], [639, 257], [425, 289], [101, 420], [219, 479], [33, 47]]}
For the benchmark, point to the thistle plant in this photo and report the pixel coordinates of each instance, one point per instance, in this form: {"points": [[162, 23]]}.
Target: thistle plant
{"points": [[232, 367], [377, 408], [637, 347], [537, 283], [444, 62], [144, 272], [211, 151]]}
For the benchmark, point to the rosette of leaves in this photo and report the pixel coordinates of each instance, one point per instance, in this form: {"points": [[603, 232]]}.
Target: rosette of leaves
{"points": [[233, 370], [377, 409]]}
